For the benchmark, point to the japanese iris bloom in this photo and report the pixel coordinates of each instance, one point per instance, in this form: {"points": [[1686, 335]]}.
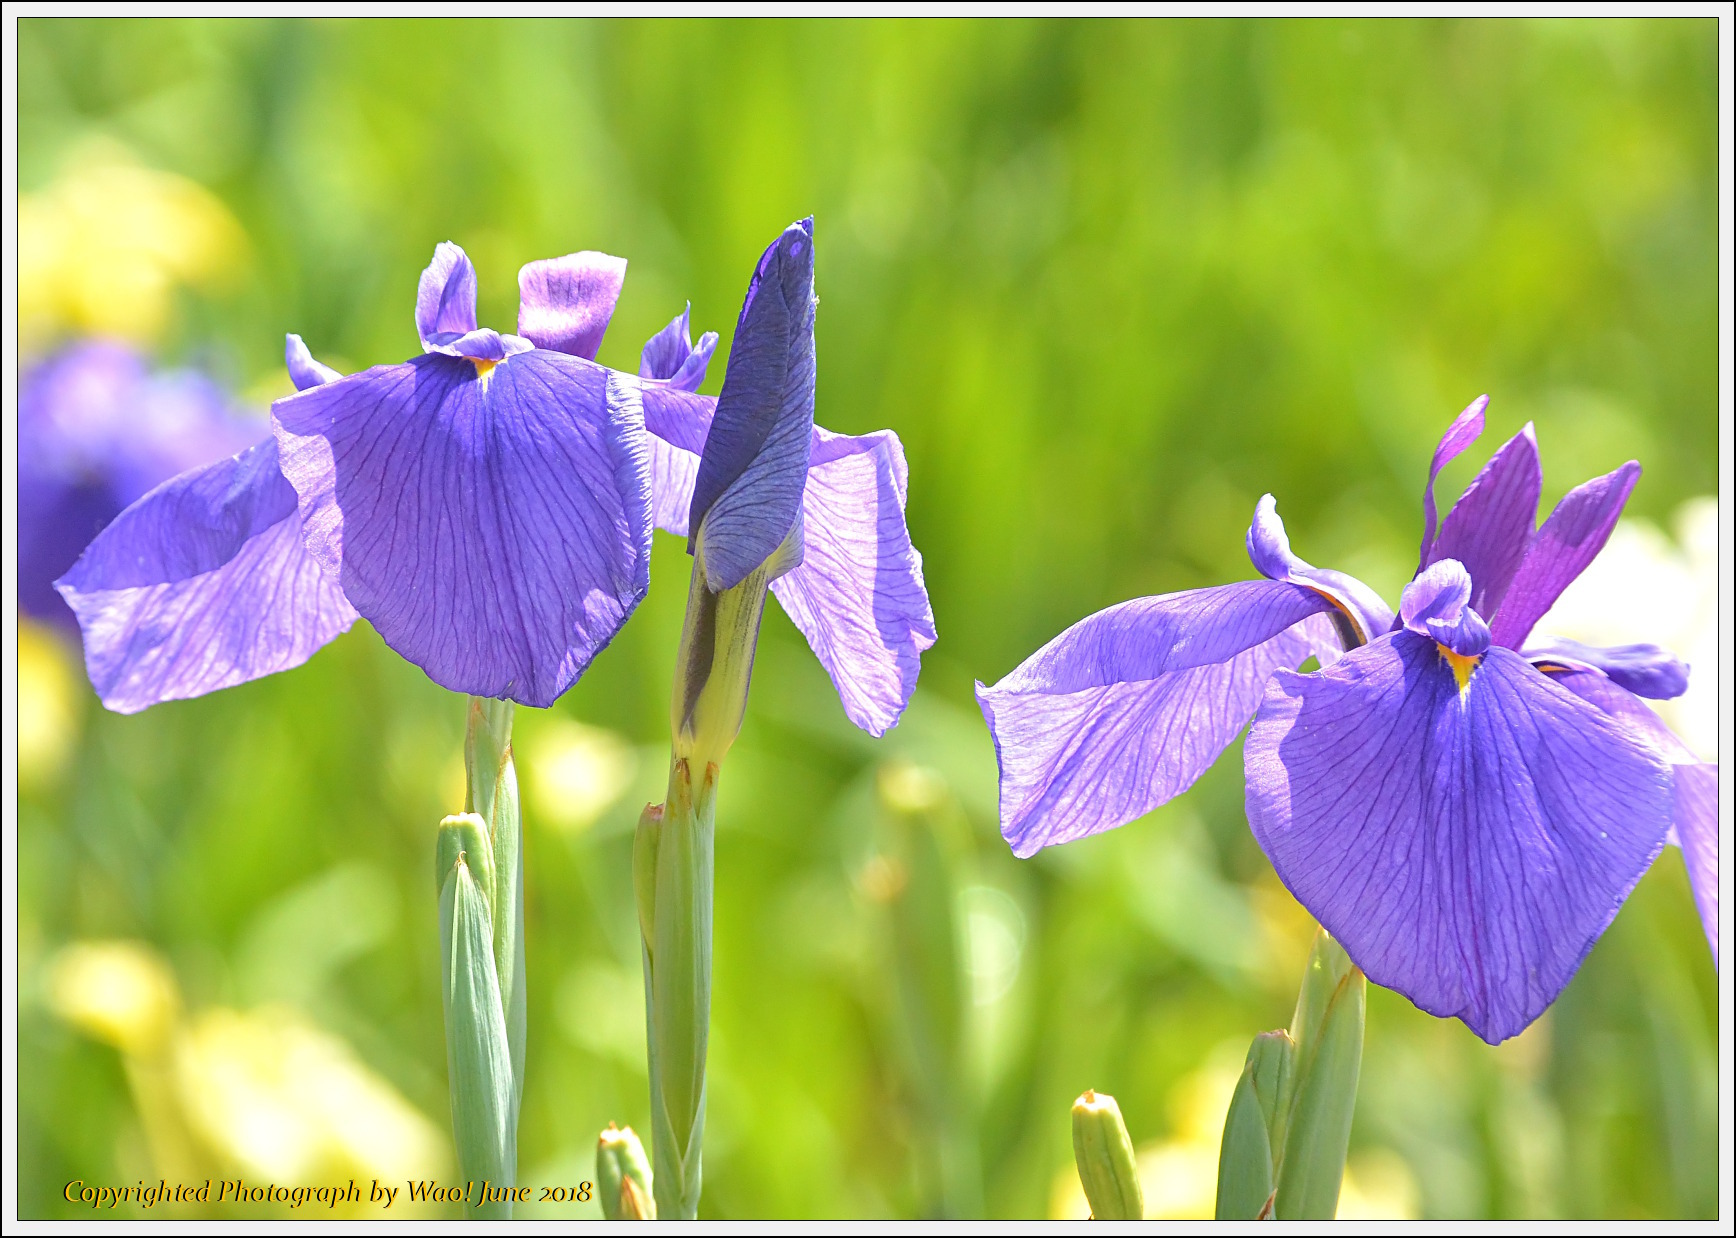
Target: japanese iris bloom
{"points": [[759, 475], [97, 428], [486, 506], [1461, 804]]}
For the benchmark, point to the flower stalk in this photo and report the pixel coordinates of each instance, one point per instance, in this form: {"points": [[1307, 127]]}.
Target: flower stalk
{"points": [[479, 872]]}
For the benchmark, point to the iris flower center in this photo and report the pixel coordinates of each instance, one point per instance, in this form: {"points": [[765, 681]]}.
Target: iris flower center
{"points": [[1462, 665]]}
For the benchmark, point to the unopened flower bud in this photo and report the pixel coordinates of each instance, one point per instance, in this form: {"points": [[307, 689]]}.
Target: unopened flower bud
{"points": [[1104, 1153], [624, 1176]]}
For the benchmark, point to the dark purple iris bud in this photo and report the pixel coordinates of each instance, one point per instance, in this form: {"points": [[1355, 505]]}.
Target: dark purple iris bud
{"points": [[1463, 807], [856, 591], [96, 430], [486, 506]]}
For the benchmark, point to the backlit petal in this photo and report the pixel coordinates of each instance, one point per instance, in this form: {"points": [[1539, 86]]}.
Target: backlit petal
{"points": [[200, 585], [1464, 431], [1363, 615], [565, 304], [671, 355], [1491, 524], [446, 296], [1127, 708]]}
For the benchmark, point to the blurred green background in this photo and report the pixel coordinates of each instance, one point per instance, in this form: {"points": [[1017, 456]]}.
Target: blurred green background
{"points": [[1110, 282]]}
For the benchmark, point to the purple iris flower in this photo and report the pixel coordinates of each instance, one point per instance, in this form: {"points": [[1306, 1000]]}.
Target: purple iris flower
{"points": [[486, 506], [1464, 807], [743, 472], [97, 429]]}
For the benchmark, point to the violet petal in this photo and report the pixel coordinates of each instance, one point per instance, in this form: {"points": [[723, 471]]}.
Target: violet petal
{"points": [[672, 356], [304, 371], [1464, 431], [1490, 526], [1566, 544], [446, 295], [1437, 605], [495, 530], [564, 304], [202, 584], [1128, 707], [1467, 847], [1644, 670], [1269, 549]]}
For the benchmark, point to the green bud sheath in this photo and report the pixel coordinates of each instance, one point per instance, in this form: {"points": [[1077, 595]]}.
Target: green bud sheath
{"points": [[624, 1176], [478, 1056], [1325, 1100], [492, 793], [1250, 1150], [1104, 1153]]}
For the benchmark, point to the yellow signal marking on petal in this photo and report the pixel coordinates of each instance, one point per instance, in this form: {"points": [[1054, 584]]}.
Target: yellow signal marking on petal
{"points": [[1461, 664], [483, 365], [1341, 608]]}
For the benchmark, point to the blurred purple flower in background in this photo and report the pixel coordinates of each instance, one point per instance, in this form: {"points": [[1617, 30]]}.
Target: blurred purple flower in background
{"points": [[1465, 809], [485, 506], [96, 430]]}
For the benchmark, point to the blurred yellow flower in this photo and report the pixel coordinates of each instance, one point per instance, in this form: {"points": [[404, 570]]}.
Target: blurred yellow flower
{"points": [[50, 697], [577, 772], [102, 249], [119, 992]]}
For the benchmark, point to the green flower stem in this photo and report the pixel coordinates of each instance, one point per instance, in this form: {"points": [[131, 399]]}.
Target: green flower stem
{"points": [[673, 874], [480, 876]]}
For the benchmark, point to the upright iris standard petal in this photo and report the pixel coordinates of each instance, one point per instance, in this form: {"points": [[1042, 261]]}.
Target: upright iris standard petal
{"points": [[673, 357], [748, 493], [858, 594], [446, 297], [1566, 544], [1124, 710], [564, 304], [304, 371], [1464, 431], [1490, 526], [1362, 614], [1467, 847], [494, 528], [202, 584]]}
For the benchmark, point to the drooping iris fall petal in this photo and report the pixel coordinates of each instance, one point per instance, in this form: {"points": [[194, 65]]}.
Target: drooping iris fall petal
{"points": [[202, 584], [493, 525], [1466, 846], [1125, 709]]}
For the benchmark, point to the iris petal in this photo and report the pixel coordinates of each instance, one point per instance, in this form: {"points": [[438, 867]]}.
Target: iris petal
{"points": [[1566, 544], [1464, 431], [748, 492], [1467, 848], [1490, 526], [495, 531], [672, 356], [304, 371], [858, 594], [1364, 615], [1127, 708], [446, 295], [1644, 670], [564, 304], [200, 585]]}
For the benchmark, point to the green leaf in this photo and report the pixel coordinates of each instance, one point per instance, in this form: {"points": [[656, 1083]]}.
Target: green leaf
{"points": [[1318, 1134], [1249, 1149]]}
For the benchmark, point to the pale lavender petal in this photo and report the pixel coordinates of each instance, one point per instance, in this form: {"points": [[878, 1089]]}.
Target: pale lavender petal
{"points": [[678, 422], [565, 303], [1697, 826], [494, 529], [304, 371], [1076, 763], [1464, 431], [200, 585], [1362, 615], [1126, 708], [672, 356], [1566, 544], [1491, 524], [1644, 670], [446, 296], [483, 344], [858, 594], [748, 494], [1435, 605], [1466, 847]]}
